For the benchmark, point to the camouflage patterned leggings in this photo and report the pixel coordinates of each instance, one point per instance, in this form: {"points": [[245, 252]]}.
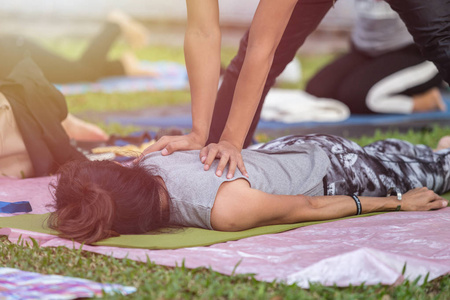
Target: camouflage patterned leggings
{"points": [[373, 169]]}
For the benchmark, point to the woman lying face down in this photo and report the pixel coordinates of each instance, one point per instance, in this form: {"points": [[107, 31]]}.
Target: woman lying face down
{"points": [[291, 179]]}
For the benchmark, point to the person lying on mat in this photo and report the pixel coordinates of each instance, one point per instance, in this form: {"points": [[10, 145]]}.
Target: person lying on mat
{"points": [[296, 179]]}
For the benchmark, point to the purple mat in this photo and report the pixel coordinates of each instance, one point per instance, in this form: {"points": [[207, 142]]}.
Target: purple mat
{"points": [[17, 284]]}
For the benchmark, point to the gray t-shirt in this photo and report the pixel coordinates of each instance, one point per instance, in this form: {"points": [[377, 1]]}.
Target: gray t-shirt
{"points": [[297, 169], [378, 29]]}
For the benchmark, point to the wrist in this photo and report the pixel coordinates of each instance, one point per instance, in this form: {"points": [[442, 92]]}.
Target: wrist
{"points": [[230, 139], [397, 195], [199, 137], [232, 143], [394, 204]]}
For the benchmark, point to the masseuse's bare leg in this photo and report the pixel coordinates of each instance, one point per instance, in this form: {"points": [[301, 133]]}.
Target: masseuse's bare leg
{"points": [[429, 101], [80, 130]]}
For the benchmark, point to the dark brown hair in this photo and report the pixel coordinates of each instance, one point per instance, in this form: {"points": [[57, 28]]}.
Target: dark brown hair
{"points": [[94, 200]]}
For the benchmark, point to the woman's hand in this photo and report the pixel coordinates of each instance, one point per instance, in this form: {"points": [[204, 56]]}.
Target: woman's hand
{"points": [[170, 144], [422, 199], [227, 153]]}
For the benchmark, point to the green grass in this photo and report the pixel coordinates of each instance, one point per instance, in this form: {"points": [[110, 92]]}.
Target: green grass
{"points": [[429, 136], [159, 282], [119, 129], [101, 102], [73, 48]]}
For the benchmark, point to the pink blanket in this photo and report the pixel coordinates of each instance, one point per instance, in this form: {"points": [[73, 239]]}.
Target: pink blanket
{"points": [[371, 250]]}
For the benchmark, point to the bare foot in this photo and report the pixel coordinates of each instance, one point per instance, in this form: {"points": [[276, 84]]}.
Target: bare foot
{"points": [[443, 143], [80, 130], [134, 33], [429, 101], [132, 68]]}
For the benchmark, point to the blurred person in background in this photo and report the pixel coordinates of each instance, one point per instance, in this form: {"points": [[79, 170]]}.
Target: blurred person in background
{"points": [[33, 141], [92, 65], [384, 71]]}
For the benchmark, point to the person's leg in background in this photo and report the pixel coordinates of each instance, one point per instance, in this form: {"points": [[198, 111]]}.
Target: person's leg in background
{"points": [[305, 18], [136, 36], [95, 57], [83, 131], [394, 82], [92, 65], [326, 82], [429, 24], [15, 48], [56, 68]]}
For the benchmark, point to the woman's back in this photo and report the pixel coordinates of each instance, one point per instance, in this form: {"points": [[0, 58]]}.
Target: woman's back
{"points": [[296, 169]]}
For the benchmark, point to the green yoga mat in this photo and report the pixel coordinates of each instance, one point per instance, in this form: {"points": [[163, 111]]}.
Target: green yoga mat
{"points": [[165, 239]]}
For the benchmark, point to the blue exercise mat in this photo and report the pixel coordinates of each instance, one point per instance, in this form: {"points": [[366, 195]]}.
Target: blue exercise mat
{"points": [[374, 120], [355, 120]]}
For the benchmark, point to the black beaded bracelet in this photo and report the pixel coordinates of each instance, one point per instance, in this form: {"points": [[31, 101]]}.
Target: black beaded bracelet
{"points": [[358, 204]]}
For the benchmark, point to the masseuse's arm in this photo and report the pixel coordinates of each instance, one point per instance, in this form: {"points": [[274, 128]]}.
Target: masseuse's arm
{"points": [[202, 55], [266, 30], [239, 207]]}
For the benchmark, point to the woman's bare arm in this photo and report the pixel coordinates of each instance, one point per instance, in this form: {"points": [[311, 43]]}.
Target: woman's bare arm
{"points": [[202, 54], [266, 30], [239, 207]]}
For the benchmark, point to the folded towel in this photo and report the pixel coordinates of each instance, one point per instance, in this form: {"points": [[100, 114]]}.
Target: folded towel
{"points": [[292, 106]]}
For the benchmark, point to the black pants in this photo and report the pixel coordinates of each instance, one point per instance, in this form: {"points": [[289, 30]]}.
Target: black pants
{"points": [[428, 22], [92, 65], [373, 169], [352, 76]]}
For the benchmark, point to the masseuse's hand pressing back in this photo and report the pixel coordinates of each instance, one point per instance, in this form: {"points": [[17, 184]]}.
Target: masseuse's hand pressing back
{"points": [[227, 153], [169, 144]]}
